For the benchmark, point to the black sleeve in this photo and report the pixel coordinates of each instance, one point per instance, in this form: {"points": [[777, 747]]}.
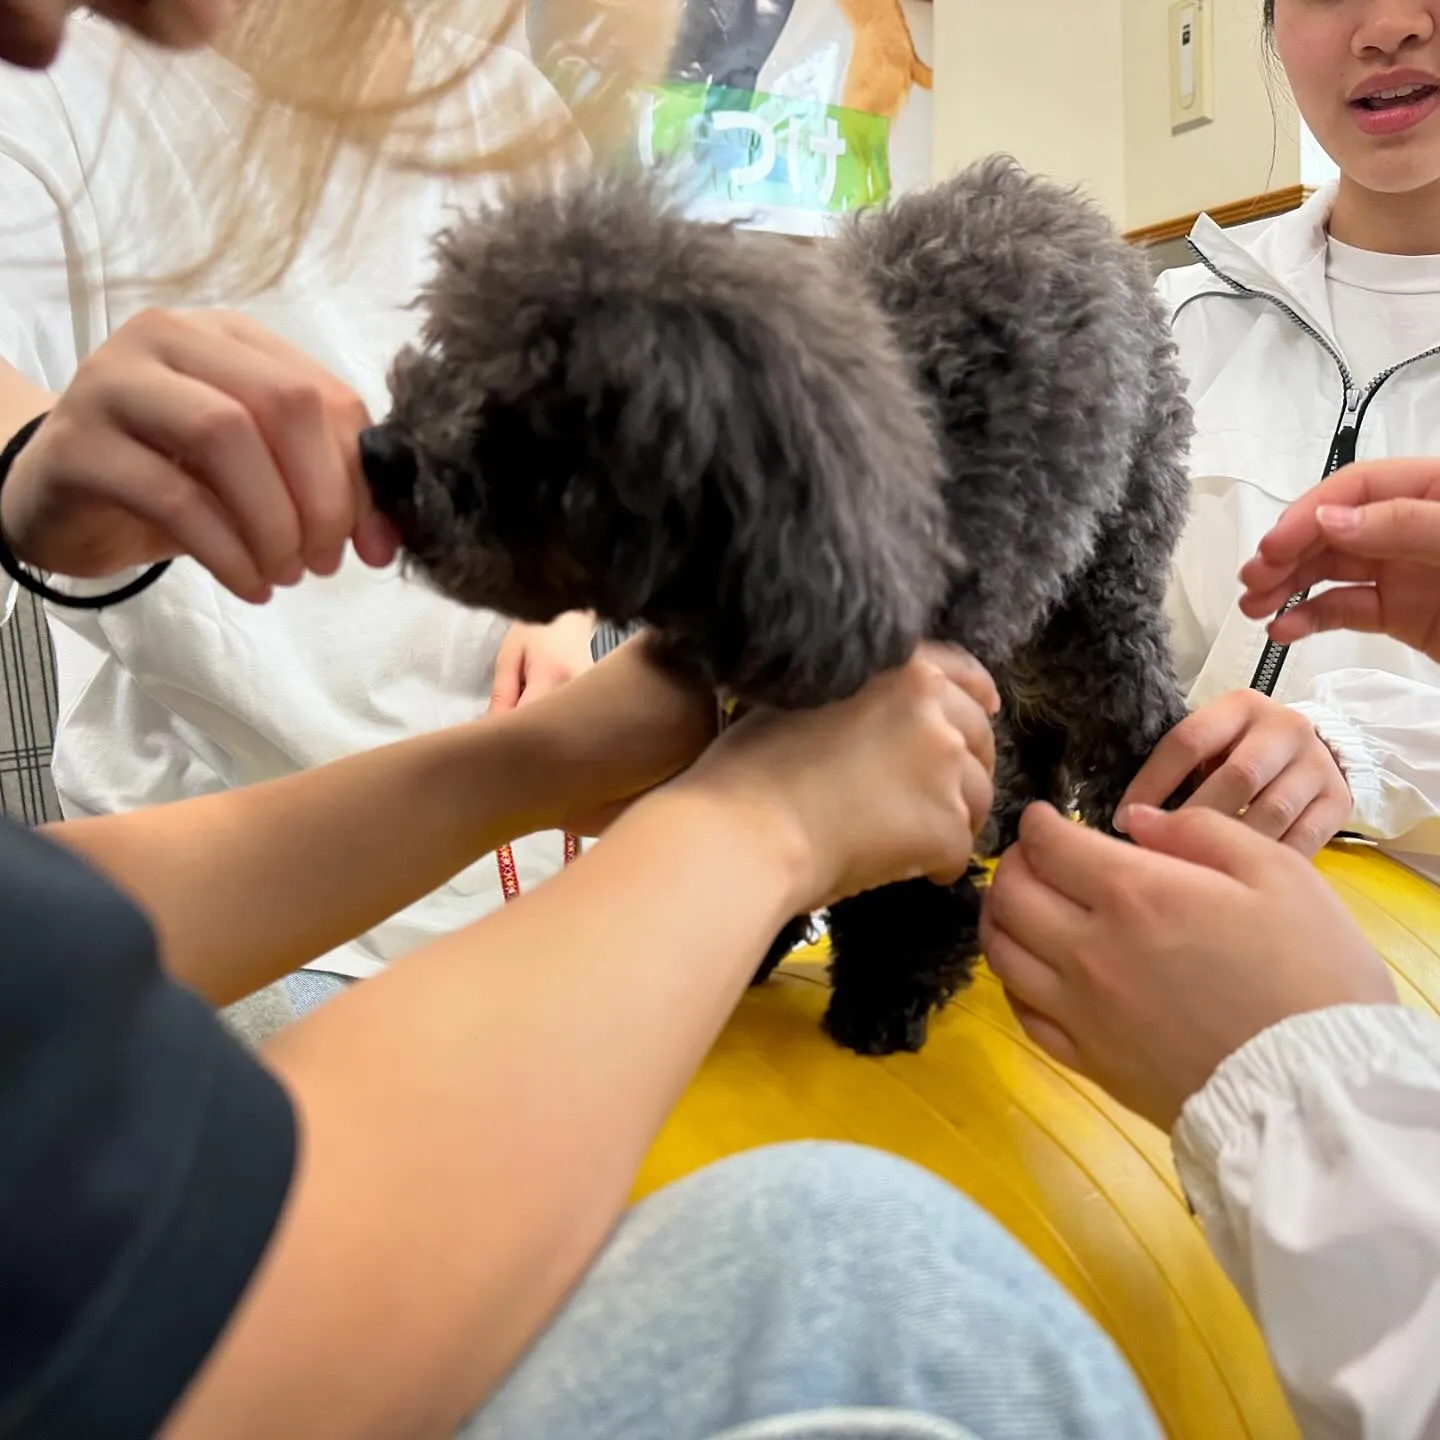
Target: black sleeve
{"points": [[144, 1159]]}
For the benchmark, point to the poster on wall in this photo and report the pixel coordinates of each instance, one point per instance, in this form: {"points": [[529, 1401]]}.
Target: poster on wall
{"points": [[787, 114]]}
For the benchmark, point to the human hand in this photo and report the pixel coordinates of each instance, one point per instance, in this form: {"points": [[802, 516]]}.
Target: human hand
{"points": [[1144, 966], [536, 659], [890, 784], [1261, 761], [30, 33], [198, 434], [1374, 527]]}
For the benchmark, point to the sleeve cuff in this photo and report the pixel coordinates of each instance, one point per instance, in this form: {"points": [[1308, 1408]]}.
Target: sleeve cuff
{"points": [[1351, 1042], [1347, 743]]}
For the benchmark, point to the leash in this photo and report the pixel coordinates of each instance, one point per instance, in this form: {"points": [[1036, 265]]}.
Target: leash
{"points": [[505, 856], [510, 877]]}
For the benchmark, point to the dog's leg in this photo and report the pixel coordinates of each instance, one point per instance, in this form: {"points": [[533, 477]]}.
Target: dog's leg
{"points": [[1029, 766], [1127, 696], [897, 954], [1107, 664]]}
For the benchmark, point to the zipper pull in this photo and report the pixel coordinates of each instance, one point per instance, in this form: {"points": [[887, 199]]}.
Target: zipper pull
{"points": [[1347, 437]]}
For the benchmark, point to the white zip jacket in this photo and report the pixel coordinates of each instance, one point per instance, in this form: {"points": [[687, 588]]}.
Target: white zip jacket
{"points": [[1313, 1155], [1276, 409]]}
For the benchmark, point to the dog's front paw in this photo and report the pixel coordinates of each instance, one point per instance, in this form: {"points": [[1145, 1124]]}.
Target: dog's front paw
{"points": [[899, 1031]]}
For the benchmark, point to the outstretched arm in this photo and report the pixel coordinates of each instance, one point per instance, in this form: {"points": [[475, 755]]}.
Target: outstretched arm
{"points": [[246, 886], [472, 1119], [472, 1122]]}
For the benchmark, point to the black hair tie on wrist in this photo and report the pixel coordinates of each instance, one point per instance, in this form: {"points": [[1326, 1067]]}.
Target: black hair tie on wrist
{"points": [[11, 565]]}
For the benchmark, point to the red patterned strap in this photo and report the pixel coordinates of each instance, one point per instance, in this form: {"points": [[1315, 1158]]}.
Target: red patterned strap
{"points": [[510, 877], [505, 856]]}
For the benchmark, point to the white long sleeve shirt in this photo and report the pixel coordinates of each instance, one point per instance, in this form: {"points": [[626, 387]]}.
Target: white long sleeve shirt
{"points": [[1313, 1161], [186, 690], [1281, 334], [1313, 1155]]}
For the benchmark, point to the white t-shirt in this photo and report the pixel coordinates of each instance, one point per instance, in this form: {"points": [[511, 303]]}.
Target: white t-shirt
{"points": [[186, 690], [1385, 309]]}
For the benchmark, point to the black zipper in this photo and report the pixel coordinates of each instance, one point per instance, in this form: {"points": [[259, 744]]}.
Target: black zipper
{"points": [[1342, 445], [1342, 452]]}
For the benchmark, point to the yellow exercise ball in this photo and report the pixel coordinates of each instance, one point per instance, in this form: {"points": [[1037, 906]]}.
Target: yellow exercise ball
{"points": [[1087, 1186]]}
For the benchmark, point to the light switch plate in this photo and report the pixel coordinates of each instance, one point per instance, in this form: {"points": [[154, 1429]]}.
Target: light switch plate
{"points": [[1192, 88]]}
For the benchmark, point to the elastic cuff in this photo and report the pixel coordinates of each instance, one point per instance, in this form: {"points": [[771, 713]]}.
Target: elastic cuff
{"points": [[1350, 1041], [1347, 743]]}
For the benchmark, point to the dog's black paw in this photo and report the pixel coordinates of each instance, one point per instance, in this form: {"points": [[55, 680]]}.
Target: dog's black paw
{"points": [[868, 1034]]}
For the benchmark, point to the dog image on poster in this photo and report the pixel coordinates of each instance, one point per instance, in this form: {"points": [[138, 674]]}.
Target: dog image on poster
{"points": [[788, 114]]}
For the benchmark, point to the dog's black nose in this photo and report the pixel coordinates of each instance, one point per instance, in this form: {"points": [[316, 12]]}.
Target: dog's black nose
{"points": [[388, 464]]}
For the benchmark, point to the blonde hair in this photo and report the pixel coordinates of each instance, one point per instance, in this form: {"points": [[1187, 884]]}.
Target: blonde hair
{"points": [[365, 84]]}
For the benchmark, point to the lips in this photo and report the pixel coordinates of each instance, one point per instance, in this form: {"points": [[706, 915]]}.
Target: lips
{"points": [[1390, 99], [1394, 102], [1388, 84]]}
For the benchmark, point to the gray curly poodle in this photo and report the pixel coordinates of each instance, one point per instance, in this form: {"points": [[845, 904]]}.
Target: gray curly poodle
{"points": [[961, 420]]}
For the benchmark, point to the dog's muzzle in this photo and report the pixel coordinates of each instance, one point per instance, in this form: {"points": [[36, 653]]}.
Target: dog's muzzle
{"points": [[388, 464]]}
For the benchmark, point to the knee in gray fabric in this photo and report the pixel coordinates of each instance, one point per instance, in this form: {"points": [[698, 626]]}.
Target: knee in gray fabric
{"points": [[874, 1278], [789, 1288], [782, 1192]]}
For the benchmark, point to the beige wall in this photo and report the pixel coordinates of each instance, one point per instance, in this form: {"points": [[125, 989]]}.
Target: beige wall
{"points": [[1091, 104], [1245, 150], [1021, 76]]}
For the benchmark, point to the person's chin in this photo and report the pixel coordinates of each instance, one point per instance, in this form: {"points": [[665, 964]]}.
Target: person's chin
{"points": [[1388, 168], [1400, 180], [1391, 164]]}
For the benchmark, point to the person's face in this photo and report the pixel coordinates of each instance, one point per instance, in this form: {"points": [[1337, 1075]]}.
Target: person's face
{"points": [[31, 30], [1346, 60]]}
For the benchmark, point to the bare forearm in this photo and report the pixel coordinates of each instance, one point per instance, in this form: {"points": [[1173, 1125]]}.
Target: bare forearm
{"points": [[474, 1118], [247, 885]]}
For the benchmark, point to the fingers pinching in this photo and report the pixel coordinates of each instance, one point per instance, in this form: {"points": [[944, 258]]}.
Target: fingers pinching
{"points": [[1203, 837], [1405, 528], [1070, 859], [1328, 566], [312, 422], [1021, 905], [1198, 739], [1347, 607], [1331, 515]]}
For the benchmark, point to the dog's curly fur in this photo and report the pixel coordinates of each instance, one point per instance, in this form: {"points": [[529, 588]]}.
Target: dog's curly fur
{"points": [[962, 420]]}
